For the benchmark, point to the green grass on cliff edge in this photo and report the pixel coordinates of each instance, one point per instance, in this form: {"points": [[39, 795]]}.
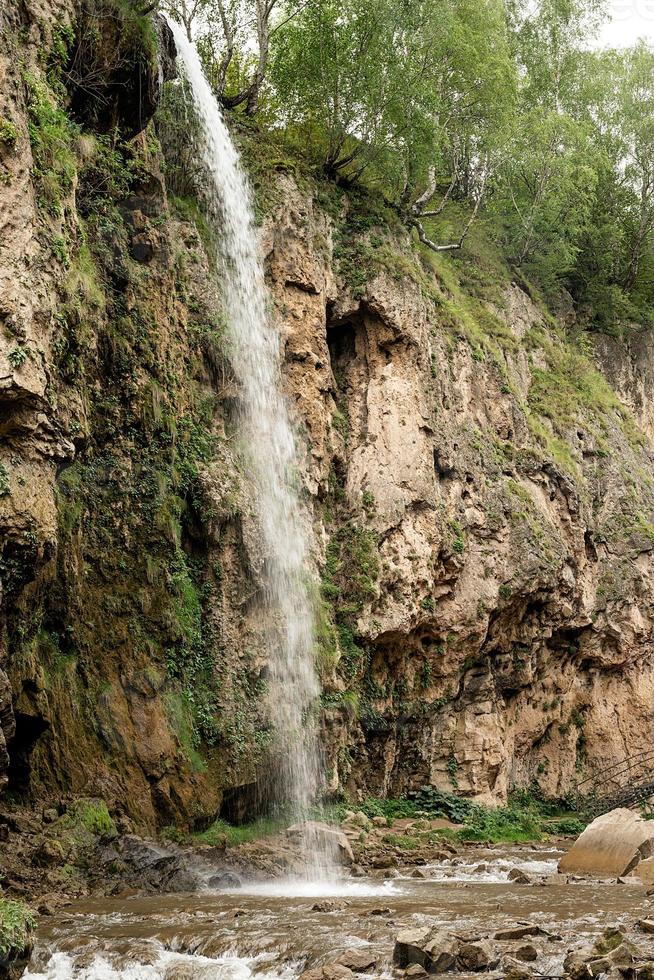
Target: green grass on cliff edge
{"points": [[16, 925]]}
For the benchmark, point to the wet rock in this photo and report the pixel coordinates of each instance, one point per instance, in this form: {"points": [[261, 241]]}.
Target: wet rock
{"points": [[358, 960], [647, 925], [224, 879], [415, 970], [380, 911], [329, 905], [520, 931], [480, 869], [326, 838], [479, 955], [611, 846], [576, 966], [328, 971], [514, 969], [526, 952], [432, 949], [519, 877], [419, 873], [357, 871]]}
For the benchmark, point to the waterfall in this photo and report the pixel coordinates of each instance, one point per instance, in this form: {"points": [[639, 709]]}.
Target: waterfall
{"points": [[270, 455]]}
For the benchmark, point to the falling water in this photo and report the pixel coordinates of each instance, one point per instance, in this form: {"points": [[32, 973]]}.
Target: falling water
{"points": [[270, 451]]}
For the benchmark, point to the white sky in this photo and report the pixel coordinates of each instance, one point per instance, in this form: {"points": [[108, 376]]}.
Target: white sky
{"points": [[631, 20]]}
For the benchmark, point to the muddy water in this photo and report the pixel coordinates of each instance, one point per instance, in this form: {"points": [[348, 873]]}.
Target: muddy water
{"points": [[270, 930]]}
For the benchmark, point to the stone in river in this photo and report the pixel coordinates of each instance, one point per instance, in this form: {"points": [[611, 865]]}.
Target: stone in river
{"points": [[519, 877], [518, 932], [477, 956], [358, 960], [432, 949], [611, 846]]}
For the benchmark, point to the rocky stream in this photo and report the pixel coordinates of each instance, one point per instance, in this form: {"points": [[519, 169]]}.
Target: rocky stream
{"points": [[489, 910]]}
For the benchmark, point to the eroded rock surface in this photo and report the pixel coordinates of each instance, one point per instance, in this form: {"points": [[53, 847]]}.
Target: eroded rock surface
{"points": [[611, 846]]}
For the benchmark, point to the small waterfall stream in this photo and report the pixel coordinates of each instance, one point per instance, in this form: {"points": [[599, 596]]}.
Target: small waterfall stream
{"points": [[270, 451]]}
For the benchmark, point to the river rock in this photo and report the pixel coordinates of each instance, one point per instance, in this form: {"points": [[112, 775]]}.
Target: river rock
{"points": [[526, 952], [518, 877], [479, 955], [647, 925], [515, 969], [611, 846], [331, 839], [358, 960], [432, 949], [328, 971], [519, 931], [415, 970]]}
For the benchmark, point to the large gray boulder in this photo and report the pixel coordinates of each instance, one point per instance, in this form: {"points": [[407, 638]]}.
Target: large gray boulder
{"points": [[611, 846]]}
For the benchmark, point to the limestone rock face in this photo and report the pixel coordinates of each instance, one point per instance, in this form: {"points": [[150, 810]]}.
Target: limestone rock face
{"points": [[611, 846], [493, 574]]}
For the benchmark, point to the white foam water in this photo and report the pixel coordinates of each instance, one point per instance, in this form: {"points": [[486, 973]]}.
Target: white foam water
{"points": [[318, 888], [165, 965], [270, 456]]}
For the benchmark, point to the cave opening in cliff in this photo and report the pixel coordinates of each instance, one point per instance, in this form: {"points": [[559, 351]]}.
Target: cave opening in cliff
{"points": [[29, 729], [341, 341]]}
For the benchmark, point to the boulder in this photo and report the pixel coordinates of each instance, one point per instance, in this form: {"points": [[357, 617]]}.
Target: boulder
{"points": [[611, 846], [358, 960], [519, 877], [475, 956], [515, 969], [526, 952], [647, 925], [432, 949], [323, 838]]}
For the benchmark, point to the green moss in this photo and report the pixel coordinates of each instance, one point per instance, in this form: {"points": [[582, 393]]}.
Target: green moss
{"points": [[16, 925], [94, 817], [223, 834]]}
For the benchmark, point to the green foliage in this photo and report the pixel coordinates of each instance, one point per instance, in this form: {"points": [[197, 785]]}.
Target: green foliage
{"points": [[18, 355], [52, 136], [8, 133], [16, 924], [223, 834], [5, 484]]}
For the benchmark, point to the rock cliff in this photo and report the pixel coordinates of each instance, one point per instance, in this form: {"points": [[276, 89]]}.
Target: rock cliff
{"points": [[478, 473]]}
